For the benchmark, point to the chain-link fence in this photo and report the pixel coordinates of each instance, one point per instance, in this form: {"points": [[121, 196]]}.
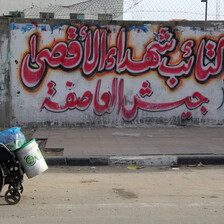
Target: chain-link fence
{"points": [[160, 10]]}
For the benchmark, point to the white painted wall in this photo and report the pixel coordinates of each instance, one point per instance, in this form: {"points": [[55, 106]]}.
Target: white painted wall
{"points": [[4, 77], [4, 66], [26, 105]]}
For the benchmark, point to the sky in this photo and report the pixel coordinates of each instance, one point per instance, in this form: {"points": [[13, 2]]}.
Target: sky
{"points": [[173, 9]]}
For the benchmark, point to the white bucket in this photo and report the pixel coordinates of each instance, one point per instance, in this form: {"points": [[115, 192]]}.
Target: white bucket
{"points": [[31, 159]]}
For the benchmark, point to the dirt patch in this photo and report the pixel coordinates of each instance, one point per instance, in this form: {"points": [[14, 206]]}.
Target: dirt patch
{"points": [[213, 196], [28, 133], [52, 152], [124, 194], [41, 143], [48, 152], [89, 181]]}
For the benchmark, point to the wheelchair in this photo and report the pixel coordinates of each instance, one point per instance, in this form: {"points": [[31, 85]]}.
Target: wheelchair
{"points": [[11, 174]]}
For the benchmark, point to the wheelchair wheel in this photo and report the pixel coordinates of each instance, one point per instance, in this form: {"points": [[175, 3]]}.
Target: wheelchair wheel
{"points": [[2, 179], [14, 186], [12, 196]]}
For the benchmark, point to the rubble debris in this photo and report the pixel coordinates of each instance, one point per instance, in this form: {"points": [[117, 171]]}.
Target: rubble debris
{"points": [[132, 167], [175, 168]]}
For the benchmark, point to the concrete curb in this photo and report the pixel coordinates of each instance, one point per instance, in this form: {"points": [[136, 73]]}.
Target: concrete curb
{"points": [[143, 160], [205, 159], [98, 161], [76, 161], [162, 160], [56, 161]]}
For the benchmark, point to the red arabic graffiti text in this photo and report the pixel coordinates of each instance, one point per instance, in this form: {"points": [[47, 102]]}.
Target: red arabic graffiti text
{"points": [[106, 102], [88, 50]]}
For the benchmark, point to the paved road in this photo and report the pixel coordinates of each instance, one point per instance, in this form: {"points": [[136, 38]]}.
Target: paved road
{"points": [[118, 195]]}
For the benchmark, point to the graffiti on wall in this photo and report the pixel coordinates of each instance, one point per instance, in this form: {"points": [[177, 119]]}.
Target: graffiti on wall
{"points": [[90, 51], [96, 52], [116, 96]]}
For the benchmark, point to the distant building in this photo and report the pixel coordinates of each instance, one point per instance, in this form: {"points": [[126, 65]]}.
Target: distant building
{"points": [[88, 10]]}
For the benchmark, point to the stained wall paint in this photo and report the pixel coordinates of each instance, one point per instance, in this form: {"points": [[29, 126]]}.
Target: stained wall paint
{"points": [[4, 68], [125, 74], [4, 74]]}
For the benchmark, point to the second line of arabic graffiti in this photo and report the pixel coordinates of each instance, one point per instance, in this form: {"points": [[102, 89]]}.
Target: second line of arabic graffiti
{"points": [[109, 99]]}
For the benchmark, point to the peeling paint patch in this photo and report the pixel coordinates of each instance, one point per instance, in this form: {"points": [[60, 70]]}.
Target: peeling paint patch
{"points": [[139, 28], [195, 28], [3, 85], [28, 27]]}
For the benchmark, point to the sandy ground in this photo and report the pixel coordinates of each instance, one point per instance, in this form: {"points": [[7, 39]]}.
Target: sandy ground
{"points": [[119, 195]]}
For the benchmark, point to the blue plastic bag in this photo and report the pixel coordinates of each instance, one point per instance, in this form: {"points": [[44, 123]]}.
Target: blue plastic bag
{"points": [[13, 138]]}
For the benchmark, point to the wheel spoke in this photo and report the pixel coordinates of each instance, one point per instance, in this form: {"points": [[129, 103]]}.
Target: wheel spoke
{"points": [[12, 196]]}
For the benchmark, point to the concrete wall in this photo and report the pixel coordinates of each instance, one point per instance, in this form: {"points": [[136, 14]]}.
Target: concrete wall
{"points": [[4, 73], [132, 74]]}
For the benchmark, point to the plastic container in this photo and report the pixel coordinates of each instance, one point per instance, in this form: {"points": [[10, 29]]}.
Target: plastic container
{"points": [[31, 159]]}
